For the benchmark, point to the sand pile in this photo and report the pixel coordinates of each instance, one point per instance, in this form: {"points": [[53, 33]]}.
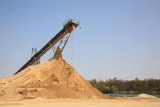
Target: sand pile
{"points": [[54, 78], [145, 96]]}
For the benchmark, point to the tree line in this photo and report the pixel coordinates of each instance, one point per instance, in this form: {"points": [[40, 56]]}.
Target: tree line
{"points": [[123, 86]]}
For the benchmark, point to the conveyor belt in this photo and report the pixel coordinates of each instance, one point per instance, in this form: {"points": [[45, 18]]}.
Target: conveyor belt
{"points": [[68, 27]]}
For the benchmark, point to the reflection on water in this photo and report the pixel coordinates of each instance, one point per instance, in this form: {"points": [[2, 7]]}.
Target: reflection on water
{"points": [[130, 95]]}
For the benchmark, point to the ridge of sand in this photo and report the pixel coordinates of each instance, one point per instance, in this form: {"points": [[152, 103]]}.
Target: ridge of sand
{"points": [[54, 78], [145, 96]]}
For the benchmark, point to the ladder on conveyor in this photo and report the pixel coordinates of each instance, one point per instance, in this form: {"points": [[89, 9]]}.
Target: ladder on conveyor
{"points": [[61, 37]]}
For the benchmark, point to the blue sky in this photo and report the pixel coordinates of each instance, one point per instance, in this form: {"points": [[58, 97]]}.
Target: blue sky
{"points": [[118, 38]]}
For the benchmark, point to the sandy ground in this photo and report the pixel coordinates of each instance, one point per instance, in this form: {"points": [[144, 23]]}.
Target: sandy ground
{"points": [[115, 102]]}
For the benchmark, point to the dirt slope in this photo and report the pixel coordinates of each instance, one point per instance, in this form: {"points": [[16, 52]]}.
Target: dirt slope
{"points": [[54, 78]]}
